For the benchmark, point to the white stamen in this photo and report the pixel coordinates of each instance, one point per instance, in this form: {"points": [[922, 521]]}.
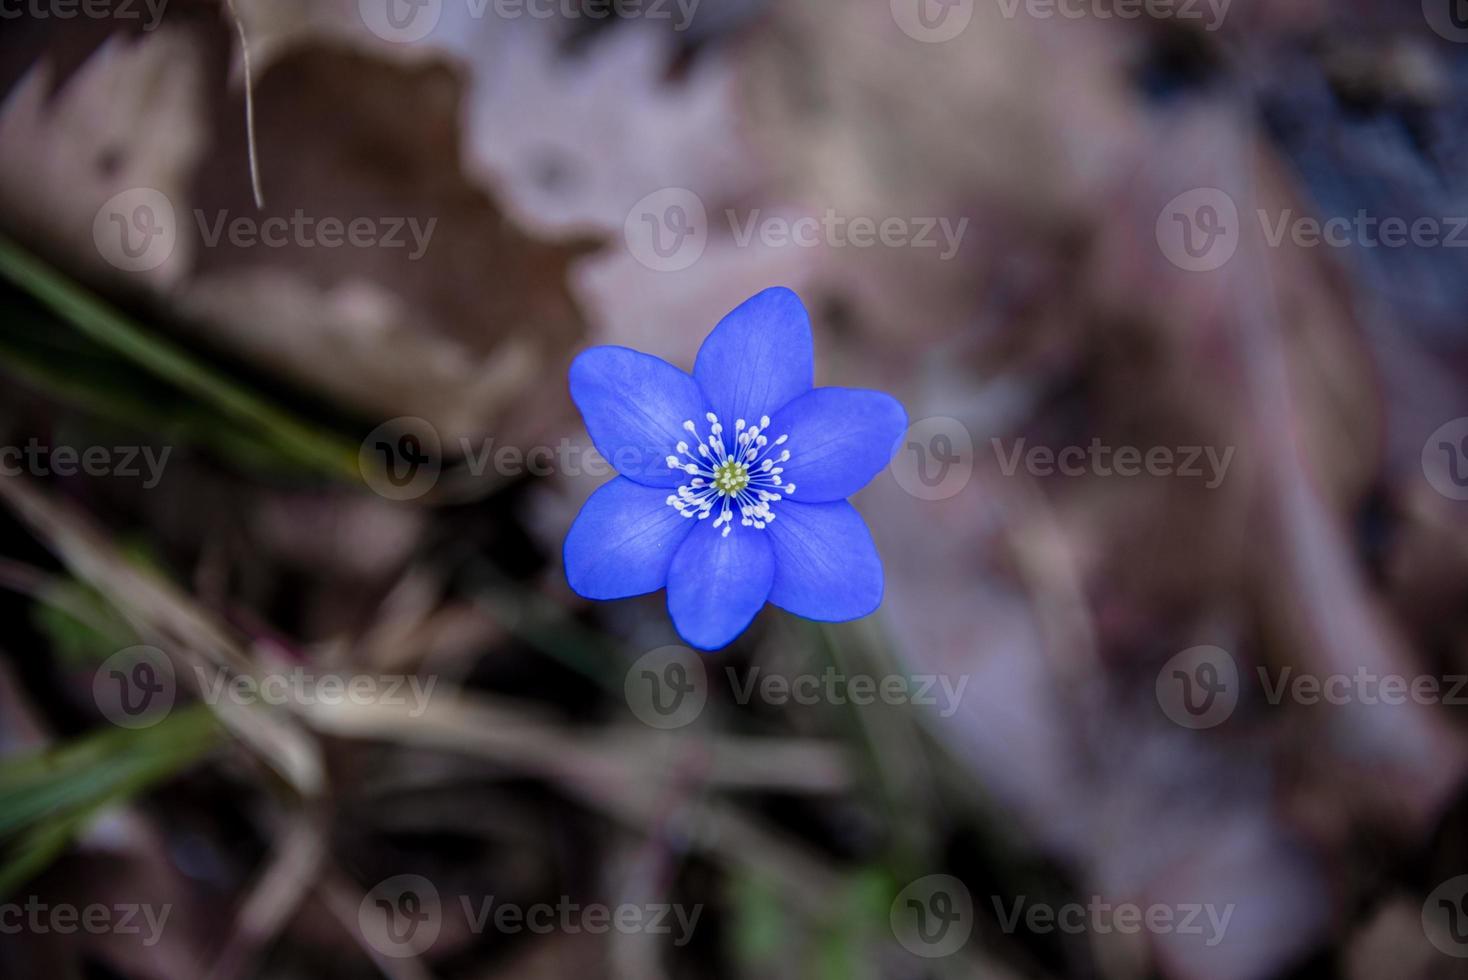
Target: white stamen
{"points": [[724, 481]]}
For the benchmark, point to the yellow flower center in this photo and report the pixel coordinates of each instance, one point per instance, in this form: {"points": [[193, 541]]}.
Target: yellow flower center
{"points": [[730, 477]]}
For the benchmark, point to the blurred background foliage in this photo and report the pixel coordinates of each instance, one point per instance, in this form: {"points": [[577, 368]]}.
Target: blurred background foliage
{"points": [[528, 141]]}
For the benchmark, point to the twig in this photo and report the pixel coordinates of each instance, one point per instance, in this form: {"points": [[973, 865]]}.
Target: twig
{"points": [[275, 896], [166, 617], [524, 740], [239, 27]]}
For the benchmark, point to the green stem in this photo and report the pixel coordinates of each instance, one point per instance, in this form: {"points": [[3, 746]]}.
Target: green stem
{"points": [[114, 331]]}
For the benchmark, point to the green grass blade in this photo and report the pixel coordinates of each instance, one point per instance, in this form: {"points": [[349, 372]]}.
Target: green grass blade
{"points": [[109, 328]]}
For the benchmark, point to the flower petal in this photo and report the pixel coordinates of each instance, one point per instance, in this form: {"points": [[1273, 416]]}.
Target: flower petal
{"points": [[839, 439], [717, 584], [826, 565], [634, 406], [758, 358], [623, 541]]}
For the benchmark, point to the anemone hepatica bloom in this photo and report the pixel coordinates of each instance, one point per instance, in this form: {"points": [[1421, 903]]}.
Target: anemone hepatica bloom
{"points": [[733, 481]]}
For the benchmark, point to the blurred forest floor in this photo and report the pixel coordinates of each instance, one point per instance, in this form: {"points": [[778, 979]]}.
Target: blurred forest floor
{"points": [[528, 145]]}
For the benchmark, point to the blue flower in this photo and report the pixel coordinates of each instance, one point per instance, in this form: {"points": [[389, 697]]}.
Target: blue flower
{"points": [[733, 481]]}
